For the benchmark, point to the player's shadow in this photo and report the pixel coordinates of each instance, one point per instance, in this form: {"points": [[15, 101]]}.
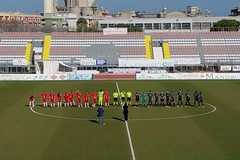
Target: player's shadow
{"points": [[119, 119], [93, 121]]}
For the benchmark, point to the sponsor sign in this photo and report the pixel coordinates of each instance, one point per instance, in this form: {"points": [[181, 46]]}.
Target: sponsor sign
{"points": [[226, 68], [124, 70], [171, 76], [224, 76], [87, 62], [109, 31], [236, 68], [167, 76], [101, 62], [19, 62], [38, 49], [189, 76], [145, 63], [80, 77], [187, 61], [32, 77]]}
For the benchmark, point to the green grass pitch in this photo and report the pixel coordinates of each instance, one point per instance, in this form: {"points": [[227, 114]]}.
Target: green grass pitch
{"points": [[156, 135]]}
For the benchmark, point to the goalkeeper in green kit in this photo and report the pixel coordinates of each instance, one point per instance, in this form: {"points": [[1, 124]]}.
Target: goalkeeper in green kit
{"points": [[144, 99]]}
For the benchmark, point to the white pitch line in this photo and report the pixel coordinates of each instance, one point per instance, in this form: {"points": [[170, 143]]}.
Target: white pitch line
{"points": [[139, 119], [179, 117], [128, 131], [59, 117], [68, 118]]}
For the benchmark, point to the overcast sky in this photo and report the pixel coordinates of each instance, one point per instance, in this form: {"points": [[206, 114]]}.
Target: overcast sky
{"points": [[217, 7]]}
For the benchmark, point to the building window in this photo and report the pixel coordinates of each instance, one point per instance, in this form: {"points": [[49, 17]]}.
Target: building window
{"points": [[166, 26], [206, 25], [176, 26], [196, 25], [148, 26], [112, 25], [18, 19], [103, 25], [156, 26], [140, 25], [186, 26]]}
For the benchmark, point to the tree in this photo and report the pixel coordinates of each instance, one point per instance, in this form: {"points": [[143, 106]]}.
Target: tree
{"points": [[81, 25], [226, 25]]}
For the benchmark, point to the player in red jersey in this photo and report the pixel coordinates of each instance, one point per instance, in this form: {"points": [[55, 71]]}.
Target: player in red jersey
{"points": [[31, 100], [52, 99], [59, 100], [71, 99], [86, 99], [94, 98], [44, 98], [106, 97], [79, 99], [66, 99]]}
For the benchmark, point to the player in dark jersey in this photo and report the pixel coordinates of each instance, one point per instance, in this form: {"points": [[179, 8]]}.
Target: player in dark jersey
{"points": [[162, 97], [188, 98], [195, 97], [137, 98], [150, 99], [156, 97], [172, 102], [180, 98], [168, 104], [200, 99]]}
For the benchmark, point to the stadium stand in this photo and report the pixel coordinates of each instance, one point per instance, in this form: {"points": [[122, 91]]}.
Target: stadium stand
{"points": [[8, 53], [18, 36], [221, 47], [209, 47]]}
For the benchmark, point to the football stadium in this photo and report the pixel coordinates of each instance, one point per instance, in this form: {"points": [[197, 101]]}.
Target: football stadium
{"points": [[116, 94], [157, 132]]}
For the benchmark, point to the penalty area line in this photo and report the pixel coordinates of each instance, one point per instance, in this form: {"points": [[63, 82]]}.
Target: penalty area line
{"points": [[128, 131]]}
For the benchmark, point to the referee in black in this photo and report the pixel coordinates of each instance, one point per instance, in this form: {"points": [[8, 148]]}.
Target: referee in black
{"points": [[125, 111]]}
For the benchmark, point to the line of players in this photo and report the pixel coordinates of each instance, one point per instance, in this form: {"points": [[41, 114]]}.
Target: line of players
{"points": [[67, 99], [147, 99], [168, 99]]}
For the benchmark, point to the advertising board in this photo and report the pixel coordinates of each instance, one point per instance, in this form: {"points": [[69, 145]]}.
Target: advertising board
{"points": [[87, 62], [222, 76], [189, 76], [20, 62], [80, 77], [171, 76], [226, 68], [236, 68], [109, 31], [32, 77], [101, 62], [145, 63]]}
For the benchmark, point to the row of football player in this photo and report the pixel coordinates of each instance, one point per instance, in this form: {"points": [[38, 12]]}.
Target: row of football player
{"points": [[68, 99], [158, 97], [163, 99]]}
